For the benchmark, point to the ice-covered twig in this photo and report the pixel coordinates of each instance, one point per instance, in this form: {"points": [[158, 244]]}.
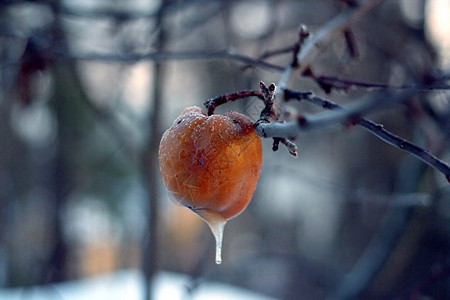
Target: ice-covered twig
{"points": [[346, 115]]}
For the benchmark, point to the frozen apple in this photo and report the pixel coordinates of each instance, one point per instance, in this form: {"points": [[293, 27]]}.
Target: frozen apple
{"points": [[211, 165]]}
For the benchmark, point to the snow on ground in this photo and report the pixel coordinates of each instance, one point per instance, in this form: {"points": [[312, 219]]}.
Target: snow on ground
{"points": [[128, 285]]}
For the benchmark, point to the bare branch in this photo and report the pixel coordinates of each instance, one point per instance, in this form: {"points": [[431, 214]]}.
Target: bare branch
{"points": [[309, 48], [352, 46], [305, 51], [211, 104], [351, 113], [272, 53], [376, 129], [269, 113], [325, 34], [292, 148], [331, 82], [294, 49], [162, 56]]}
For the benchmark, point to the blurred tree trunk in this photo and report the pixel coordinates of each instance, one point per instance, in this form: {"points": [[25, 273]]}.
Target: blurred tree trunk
{"points": [[57, 263], [151, 169], [63, 98], [8, 143], [73, 120]]}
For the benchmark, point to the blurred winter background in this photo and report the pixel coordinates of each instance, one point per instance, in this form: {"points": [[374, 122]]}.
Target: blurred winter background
{"points": [[88, 87]]}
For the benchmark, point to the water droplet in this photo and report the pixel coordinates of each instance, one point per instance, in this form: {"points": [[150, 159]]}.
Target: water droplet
{"points": [[217, 223]]}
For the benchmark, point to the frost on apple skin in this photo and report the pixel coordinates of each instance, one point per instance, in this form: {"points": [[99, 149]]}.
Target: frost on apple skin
{"points": [[213, 150], [211, 165]]}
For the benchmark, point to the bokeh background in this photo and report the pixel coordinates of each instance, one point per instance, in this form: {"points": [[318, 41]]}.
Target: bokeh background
{"points": [[88, 87]]}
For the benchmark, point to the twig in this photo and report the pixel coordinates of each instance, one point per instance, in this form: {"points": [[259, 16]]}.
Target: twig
{"points": [[162, 56], [331, 82], [304, 54], [302, 37], [376, 129], [352, 46], [157, 56], [325, 34], [351, 114], [305, 51], [292, 148], [269, 113], [272, 53], [211, 104]]}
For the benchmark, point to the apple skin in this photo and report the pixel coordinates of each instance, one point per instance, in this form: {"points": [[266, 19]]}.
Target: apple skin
{"points": [[212, 162]]}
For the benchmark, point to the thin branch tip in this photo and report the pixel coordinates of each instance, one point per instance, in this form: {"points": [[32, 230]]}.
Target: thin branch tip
{"points": [[213, 103], [353, 115], [292, 147]]}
